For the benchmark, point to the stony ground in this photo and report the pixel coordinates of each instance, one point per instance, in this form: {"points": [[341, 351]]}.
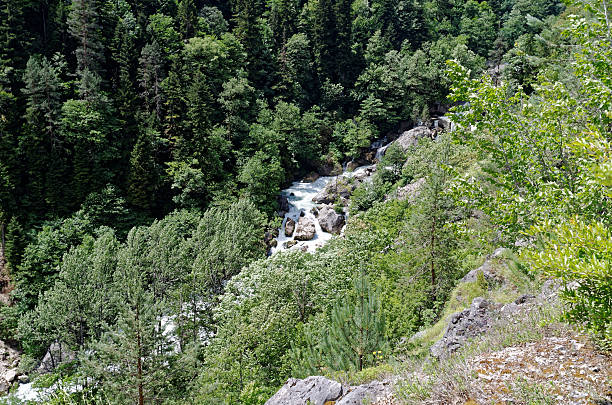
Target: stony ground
{"points": [[560, 370]]}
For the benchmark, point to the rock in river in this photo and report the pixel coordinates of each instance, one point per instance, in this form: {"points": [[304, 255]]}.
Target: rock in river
{"points": [[305, 229], [289, 227], [330, 220]]}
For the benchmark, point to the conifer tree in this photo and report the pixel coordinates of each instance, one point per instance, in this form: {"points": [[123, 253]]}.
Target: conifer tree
{"points": [[143, 174], [84, 26], [127, 361], [324, 40], [357, 329], [354, 338], [187, 18], [432, 238], [42, 144], [150, 76]]}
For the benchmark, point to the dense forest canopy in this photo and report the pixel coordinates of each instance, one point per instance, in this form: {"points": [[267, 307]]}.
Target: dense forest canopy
{"points": [[143, 145]]}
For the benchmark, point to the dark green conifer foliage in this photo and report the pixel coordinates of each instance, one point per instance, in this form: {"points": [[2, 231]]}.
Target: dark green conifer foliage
{"points": [[325, 35], [84, 26], [150, 76], [41, 142], [127, 360], [187, 17], [429, 231], [124, 88], [255, 35], [353, 340], [143, 173]]}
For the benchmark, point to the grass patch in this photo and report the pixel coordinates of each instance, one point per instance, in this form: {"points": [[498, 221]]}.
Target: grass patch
{"points": [[530, 393], [514, 281]]}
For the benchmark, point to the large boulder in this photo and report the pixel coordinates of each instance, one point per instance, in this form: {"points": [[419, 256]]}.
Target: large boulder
{"points": [[57, 354], [472, 322], [311, 177], [412, 137], [315, 390], [289, 227], [305, 229], [338, 189], [283, 204], [407, 139], [289, 244], [367, 393], [330, 169], [330, 220]]}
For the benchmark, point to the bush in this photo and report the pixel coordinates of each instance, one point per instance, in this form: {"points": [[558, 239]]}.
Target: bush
{"points": [[580, 255]]}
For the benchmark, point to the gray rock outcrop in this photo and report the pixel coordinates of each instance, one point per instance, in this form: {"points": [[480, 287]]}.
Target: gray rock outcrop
{"points": [[330, 220], [487, 269], [472, 322], [305, 229], [339, 189], [407, 139], [315, 390], [366, 393]]}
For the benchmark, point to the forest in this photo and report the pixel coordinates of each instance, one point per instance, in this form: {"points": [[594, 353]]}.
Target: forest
{"points": [[144, 146]]}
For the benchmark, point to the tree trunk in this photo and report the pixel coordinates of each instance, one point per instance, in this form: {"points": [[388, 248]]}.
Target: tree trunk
{"points": [[433, 254], [2, 247], [139, 343]]}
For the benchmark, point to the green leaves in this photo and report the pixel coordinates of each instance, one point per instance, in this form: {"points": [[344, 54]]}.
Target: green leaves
{"points": [[580, 255], [546, 168]]}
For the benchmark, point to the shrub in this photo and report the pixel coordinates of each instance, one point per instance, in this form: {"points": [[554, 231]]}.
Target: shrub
{"points": [[580, 255]]}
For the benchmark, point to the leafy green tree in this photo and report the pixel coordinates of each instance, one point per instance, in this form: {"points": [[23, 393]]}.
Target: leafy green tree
{"points": [[85, 126], [262, 176], [41, 259], [238, 101], [296, 71], [80, 305], [161, 30], [478, 24], [354, 136], [212, 22]]}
